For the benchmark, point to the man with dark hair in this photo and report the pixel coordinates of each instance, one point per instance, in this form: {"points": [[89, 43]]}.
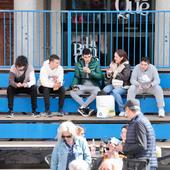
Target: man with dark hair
{"points": [[140, 141], [145, 79], [86, 80], [51, 81], [22, 80]]}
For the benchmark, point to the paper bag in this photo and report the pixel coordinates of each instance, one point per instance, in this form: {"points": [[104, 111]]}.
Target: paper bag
{"points": [[105, 106]]}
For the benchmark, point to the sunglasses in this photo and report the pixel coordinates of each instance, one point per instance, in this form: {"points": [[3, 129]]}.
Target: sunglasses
{"points": [[69, 136]]}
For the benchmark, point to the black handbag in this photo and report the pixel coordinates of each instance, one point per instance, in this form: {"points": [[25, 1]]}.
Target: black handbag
{"points": [[135, 164]]}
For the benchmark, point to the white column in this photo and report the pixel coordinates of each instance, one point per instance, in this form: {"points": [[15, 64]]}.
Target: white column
{"points": [[39, 58], [56, 27], [162, 34], [25, 30]]}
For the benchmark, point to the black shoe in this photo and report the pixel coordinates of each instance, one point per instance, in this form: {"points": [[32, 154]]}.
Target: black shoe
{"points": [[91, 112], [83, 111], [10, 114], [24, 113], [35, 114], [101, 93]]}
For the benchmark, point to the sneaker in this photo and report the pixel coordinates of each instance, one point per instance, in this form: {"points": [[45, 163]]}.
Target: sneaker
{"points": [[83, 111], [60, 114], [122, 114], [46, 114], [43, 114], [24, 113], [161, 112], [91, 111], [10, 114], [66, 113], [35, 114], [55, 114]]}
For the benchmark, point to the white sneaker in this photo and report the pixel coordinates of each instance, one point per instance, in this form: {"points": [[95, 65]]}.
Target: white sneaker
{"points": [[122, 114], [161, 112]]}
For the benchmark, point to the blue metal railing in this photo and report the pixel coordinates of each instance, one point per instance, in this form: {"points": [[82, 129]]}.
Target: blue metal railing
{"points": [[37, 34]]}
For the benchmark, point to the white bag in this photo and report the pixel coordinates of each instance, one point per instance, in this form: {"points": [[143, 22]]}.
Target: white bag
{"points": [[117, 83], [105, 106]]}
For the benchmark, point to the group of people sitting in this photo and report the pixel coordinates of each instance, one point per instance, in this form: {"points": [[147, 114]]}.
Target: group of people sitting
{"points": [[88, 78]]}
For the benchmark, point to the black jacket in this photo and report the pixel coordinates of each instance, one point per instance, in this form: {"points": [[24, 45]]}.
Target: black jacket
{"points": [[140, 140]]}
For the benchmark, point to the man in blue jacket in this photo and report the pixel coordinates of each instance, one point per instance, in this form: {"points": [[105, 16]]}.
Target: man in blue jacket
{"points": [[140, 137]]}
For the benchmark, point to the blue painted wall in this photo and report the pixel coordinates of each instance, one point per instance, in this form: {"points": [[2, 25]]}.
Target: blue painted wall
{"points": [[4, 79], [23, 104], [68, 77], [49, 131]]}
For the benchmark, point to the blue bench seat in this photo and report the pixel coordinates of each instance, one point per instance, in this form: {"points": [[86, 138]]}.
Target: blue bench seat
{"points": [[22, 102]]}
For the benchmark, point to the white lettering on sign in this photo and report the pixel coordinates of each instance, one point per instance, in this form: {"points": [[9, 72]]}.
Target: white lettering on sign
{"points": [[78, 48], [140, 6]]}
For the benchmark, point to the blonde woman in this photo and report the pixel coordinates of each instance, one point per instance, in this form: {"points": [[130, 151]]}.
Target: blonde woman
{"points": [[69, 147]]}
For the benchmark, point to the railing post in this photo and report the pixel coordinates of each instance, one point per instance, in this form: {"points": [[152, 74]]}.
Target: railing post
{"points": [[146, 35], [4, 32], [69, 37]]}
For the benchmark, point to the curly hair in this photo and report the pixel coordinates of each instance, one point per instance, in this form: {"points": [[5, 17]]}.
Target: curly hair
{"points": [[21, 61]]}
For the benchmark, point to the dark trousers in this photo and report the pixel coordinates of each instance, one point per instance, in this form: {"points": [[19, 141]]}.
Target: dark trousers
{"points": [[46, 92], [12, 91]]}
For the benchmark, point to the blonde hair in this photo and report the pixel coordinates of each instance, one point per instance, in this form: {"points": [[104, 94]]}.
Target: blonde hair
{"points": [[80, 131], [67, 126], [79, 165]]}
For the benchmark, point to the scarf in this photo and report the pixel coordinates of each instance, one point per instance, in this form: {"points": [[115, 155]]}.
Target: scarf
{"points": [[115, 68]]}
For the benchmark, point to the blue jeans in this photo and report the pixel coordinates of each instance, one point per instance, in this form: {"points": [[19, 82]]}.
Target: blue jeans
{"points": [[117, 93]]}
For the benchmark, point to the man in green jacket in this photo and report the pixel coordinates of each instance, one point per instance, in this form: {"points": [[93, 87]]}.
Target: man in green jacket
{"points": [[87, 79]]}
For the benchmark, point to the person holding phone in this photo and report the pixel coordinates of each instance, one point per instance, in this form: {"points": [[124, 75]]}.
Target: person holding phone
{"points": [[87, 79], [22, 80]]}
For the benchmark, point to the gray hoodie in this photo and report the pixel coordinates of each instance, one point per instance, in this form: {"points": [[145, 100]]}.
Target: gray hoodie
{"points": [[145, 79]]}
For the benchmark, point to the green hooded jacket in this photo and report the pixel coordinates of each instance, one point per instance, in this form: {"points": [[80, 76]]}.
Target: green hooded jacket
{"points": [[95, 76]]}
